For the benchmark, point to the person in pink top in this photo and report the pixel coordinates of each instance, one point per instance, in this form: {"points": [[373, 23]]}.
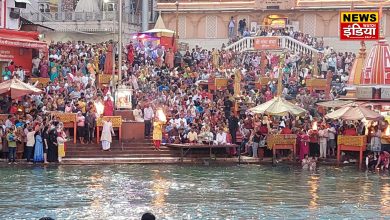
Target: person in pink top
{"points": [[80, 127], [44, 68]]}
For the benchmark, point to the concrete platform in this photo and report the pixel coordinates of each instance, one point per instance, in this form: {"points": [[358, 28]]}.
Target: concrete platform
{"points": [[163, 160]]}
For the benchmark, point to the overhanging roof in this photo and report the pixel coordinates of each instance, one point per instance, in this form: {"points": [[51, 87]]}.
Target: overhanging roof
{"points": [[24, 21]]}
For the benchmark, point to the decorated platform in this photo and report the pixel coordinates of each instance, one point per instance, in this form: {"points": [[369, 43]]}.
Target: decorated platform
{"points": [[351, 143], [282, 142]]}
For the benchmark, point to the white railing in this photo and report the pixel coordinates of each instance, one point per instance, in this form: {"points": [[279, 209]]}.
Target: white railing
{"points": [[283, 42], [297, 46], [130, 18]]}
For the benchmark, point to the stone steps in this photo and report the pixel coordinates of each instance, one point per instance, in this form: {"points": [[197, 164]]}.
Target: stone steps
{"points": [[116, 148], [136, 149], [139, 149], [124, 155], [160, 160]]}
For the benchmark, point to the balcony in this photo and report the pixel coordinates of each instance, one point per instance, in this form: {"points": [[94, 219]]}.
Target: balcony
{"points": [[84, 21]]}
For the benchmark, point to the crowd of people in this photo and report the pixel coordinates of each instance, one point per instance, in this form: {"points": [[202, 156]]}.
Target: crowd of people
{"points": [[175, 83], [239, 29]]}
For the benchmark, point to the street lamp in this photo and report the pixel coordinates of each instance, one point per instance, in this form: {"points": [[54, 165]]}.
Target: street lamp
{"points": [[120, 42], [177, 20]]}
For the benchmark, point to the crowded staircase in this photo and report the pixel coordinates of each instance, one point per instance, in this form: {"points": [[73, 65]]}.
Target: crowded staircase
{"points": [[140, 151], [283, 43]]}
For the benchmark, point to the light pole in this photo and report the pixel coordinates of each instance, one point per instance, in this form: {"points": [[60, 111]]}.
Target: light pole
{"points": [[177, 21], [120, 42]]}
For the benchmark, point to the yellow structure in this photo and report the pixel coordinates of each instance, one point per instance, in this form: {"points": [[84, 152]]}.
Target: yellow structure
{"points": [[357, 67]]}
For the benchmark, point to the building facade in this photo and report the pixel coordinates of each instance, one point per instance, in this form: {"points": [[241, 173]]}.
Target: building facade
{"points": [[88, 20], [201, 19]]}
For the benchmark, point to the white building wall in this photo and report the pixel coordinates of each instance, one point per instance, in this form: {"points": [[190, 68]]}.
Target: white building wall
{"points": [[2, 13], [10, 22]]}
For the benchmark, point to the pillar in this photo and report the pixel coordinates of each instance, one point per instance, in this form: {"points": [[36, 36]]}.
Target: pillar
{"points": [[145, 15]]}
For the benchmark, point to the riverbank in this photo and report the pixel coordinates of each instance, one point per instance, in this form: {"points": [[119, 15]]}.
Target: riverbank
{"points": [[175, 160]]}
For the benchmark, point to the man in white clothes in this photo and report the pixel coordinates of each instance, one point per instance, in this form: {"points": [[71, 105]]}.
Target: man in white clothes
{"points": [[323, 133], [148, 116], [332, 141], [220, 138]]}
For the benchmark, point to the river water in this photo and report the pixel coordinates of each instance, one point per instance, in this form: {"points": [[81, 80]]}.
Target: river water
{"points": [[192, 192]]}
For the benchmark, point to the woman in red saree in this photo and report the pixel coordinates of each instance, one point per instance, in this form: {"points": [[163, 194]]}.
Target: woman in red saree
{"points": [[109, 62], [108, 107], [130, 54], [303, 144], [169, 58]]}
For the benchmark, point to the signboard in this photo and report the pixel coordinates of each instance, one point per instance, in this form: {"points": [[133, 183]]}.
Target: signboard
{"points": [[278, 23], [364, 92], [266, 43], [6, 55], [23, 43], [359, 25], [385, 93], [123, 99]]}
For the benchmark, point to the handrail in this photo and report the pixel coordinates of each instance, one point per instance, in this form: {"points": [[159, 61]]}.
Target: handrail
{"points": [[284, 42]]}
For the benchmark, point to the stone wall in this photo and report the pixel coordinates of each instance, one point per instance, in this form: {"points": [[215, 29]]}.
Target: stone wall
{"points": [[335, 42]]}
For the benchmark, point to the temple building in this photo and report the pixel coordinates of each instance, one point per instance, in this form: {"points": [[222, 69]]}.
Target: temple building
{"points": [[201, 21], [370, 76]]}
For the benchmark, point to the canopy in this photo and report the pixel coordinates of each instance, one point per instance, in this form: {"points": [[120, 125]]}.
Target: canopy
{"points": [[17, 88], [334, 103], [278, 106], [354, 113], [161, 32], [160, 29]]}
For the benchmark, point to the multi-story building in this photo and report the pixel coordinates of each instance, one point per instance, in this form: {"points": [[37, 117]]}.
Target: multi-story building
{"points": [[207, 20], [17, 44], [89, 20]]}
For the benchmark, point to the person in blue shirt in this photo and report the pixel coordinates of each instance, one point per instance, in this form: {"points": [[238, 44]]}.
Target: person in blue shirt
{"points": [[6, 74]]}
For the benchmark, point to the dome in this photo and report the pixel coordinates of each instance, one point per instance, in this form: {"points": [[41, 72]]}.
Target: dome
{"points": [[87, 6], [376, 68]]}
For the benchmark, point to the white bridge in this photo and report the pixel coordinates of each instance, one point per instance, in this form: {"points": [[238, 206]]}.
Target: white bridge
{"points": [[283, 43]]}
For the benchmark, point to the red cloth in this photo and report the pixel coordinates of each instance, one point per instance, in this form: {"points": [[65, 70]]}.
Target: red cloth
{"points": [[157, 143], [13, 110], [11, 68], [303, 146], [313, 136], [130, 54], [350, 132], [231, 150], [108, 108], [263, 129], [109, 62], [286, 131]]}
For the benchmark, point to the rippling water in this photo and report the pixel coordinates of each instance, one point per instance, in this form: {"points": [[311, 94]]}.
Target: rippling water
{"points": [[192, 192]]}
